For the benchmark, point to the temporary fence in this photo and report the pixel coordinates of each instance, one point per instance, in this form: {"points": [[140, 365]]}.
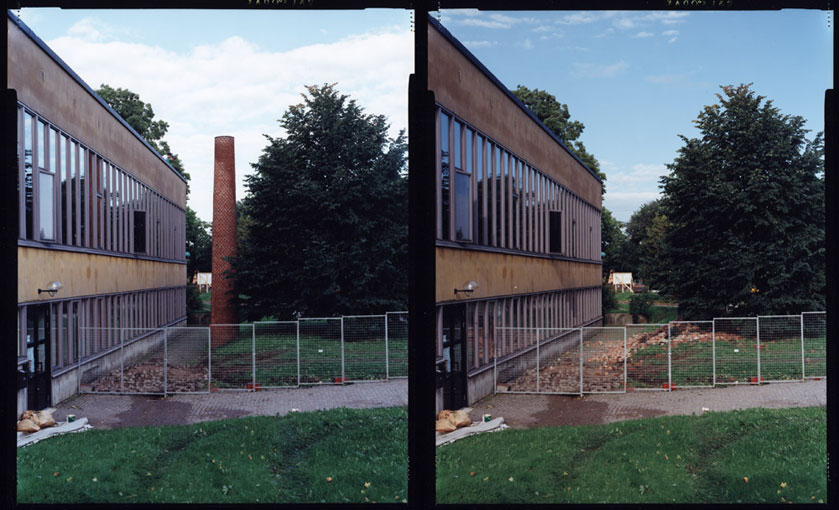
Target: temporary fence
{"points": [[662, 357], [237, 357]]}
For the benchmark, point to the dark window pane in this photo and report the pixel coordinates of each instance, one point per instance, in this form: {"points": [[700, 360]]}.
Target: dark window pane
{"points": [[53, 140], [479, 169], [468, 149], [46, 209], [65, 189], [139, 231], [41, 141], [461, 208], [555, 231], [82, 197]]}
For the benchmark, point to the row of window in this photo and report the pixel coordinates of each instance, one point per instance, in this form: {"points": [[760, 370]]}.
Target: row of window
{"points": [[81, 328], [489, 196], [491, 321], [71, 195]]}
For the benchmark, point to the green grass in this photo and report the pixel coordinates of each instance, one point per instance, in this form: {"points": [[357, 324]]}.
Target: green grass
{"points": [[692, 362], [257, 459], [320, 360], [681, 459]]}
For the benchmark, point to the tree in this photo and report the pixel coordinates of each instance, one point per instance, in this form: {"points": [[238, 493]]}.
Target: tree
{"points": [[556, 117], [199, 245], [612, 243], [745, 202], [644, 232], [326, 215]]}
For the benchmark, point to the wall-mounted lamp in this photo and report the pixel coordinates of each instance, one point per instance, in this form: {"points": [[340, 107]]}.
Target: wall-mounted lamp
{"points": [[52, 288], [469, 288]]}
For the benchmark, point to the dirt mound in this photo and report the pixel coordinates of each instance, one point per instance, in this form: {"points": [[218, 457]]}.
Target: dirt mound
{"points": [[148, 378]]}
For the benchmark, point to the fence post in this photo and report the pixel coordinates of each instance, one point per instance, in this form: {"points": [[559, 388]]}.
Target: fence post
{"points": [[387, 353], [165, 356], [624, 358], [342, 350], [537, 360], [209, 360], [713, 353], [803, 377], [581, 362], [757, 326], [494, 359], [253, 356], [297, 322], [669, 360], [122, 360]]}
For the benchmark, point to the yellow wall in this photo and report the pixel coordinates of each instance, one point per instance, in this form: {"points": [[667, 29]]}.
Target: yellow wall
{"points": [[84, 274], [500, 274]]}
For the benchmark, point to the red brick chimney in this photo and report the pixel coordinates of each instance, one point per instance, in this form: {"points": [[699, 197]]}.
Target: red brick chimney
{"points": [[223, 310]]}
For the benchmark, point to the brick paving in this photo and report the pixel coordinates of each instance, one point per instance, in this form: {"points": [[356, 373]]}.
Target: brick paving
{"points": [[112, 411], [525, 411]]}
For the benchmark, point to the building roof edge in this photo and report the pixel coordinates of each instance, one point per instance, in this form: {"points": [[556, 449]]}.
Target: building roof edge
{"points": [[472, 58], [37, 40]]}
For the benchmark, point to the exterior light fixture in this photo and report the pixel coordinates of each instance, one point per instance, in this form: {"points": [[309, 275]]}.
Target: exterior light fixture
{"points": [[52, 288], [469, 288]]}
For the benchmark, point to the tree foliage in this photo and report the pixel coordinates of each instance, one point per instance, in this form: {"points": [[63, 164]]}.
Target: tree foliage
{"points": [[613, 243], [199, 245], [326, 211], [556, 117], [745, 206], [644, 232]]}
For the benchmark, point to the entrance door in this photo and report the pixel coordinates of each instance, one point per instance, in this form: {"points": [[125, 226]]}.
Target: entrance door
{"points": [[454, 353], [39, 386]]}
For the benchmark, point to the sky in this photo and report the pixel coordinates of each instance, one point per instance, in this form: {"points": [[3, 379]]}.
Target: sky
{"points": [[214, 73], [636, 80]]}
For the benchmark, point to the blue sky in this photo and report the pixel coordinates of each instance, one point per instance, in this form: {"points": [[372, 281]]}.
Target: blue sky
{"points": [[635, 79], [638, 79], [210, 73]]}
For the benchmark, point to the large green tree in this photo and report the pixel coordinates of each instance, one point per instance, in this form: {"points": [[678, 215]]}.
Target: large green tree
{"points": [[326, 213], [745, 202], [644, 231]]}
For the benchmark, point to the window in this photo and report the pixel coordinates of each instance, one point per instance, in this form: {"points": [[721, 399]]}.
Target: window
{"points": [[461, 207], [27, 169], [46, 209], [139, 231], [555, 234]]}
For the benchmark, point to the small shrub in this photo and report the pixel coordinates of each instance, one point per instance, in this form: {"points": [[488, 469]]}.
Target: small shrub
{"points": [[609, 299], [641, 304]]}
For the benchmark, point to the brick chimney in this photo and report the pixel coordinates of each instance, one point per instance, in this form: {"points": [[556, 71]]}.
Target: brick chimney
{"points": [[224, 239]]}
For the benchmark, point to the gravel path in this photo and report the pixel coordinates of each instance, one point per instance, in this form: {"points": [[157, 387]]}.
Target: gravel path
{"points": [[112, 411], [525, 411]]}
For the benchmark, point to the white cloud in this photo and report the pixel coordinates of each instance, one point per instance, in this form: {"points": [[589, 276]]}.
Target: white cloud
{"points": [[643, 35], [590, 70], [624, 23], [542, 28], [578, 18], [527, 44], [476, 22], [479, 44], [668, 18], [479, 19], [670, 32], [234, 87]]}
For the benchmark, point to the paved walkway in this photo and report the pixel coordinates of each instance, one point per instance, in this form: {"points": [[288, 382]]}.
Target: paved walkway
{"points": [[112, 411], [525, 411]]}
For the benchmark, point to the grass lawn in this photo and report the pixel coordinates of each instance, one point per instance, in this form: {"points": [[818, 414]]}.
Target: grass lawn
{"points": [[320, 356], [736, 361], [749, 456], [340, 455]]}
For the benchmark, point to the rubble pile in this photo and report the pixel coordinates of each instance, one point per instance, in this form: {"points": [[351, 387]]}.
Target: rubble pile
{"points": [[148, 378]]}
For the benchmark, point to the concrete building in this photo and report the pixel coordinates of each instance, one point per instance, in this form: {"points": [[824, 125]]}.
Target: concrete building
{"points": [[101, 228], [518, 225]]}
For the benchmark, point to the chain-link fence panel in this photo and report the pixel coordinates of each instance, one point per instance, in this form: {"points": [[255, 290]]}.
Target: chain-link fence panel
{"points": [[321, 351], [231, 356], [815, 344], [187, 360], [559, 361], [648, 357], [780, 348], [277, 353], [692, 354], [136, 366], [518, 372], [604, 360], [735, 345], [365, 351], [397, 344]]}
